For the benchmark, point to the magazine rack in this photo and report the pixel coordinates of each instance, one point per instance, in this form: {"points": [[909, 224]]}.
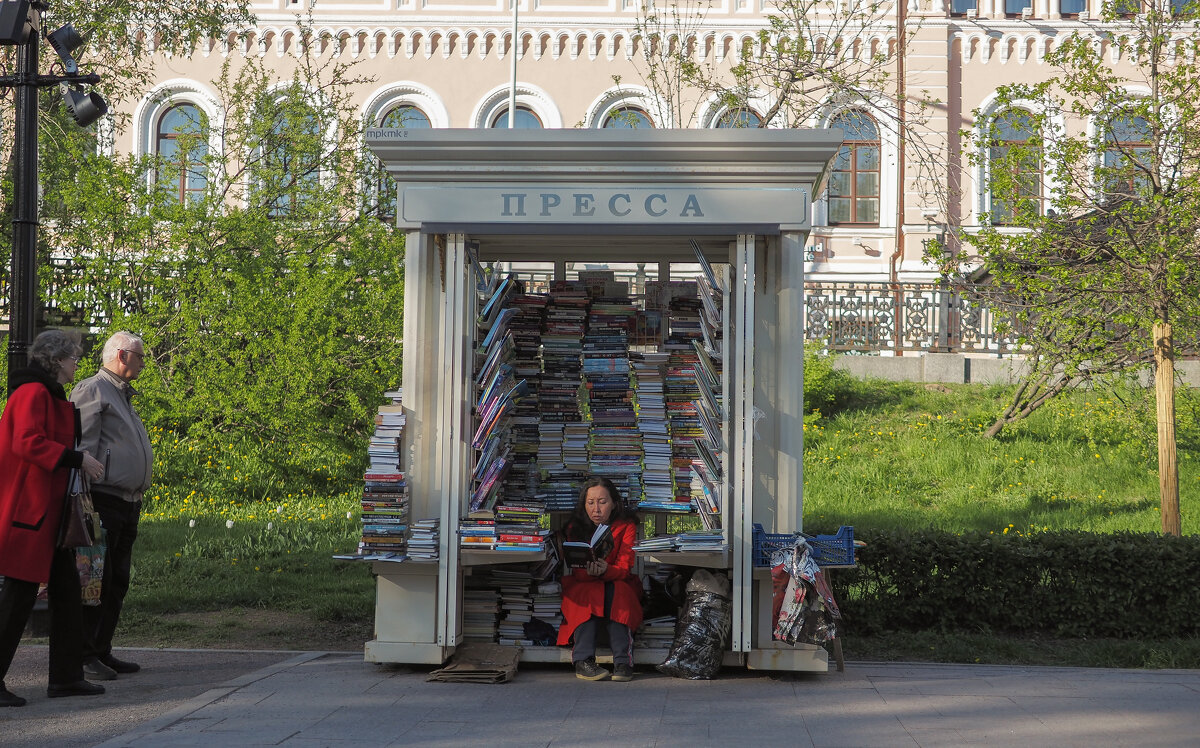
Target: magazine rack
{"points": [[736, 198]]}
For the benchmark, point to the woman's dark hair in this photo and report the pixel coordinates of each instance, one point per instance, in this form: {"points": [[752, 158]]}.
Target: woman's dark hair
{"points": [[51, 347], [579, 515]]}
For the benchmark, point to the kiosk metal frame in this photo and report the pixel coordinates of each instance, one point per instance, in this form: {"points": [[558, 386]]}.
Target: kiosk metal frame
{"points": [[744, 195]]}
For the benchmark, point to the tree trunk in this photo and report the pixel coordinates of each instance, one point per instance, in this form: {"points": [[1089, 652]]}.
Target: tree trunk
{"points": [[1164, 393]]}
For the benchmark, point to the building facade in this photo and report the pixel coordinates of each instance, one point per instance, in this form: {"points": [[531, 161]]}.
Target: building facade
{"points": [[449, 63]]}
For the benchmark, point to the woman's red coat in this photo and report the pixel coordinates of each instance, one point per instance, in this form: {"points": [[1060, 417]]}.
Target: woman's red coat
{"points": [[35, 430], [583, 594]]}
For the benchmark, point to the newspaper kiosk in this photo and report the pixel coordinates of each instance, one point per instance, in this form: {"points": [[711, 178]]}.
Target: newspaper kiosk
{"points": [[473, 198]]}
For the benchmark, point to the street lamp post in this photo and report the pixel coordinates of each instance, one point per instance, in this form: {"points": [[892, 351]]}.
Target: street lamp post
{"points": [[21, 25]]}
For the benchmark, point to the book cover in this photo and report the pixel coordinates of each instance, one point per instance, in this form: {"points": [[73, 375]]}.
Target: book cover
{"points": [[579, 553]]}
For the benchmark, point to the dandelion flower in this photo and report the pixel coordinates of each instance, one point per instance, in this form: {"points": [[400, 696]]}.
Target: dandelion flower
{"points": [[270, 525], [191, 523], [229, 524]]}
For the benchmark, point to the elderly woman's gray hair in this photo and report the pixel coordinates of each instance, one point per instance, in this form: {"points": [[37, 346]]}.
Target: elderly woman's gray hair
{"points": [[51, 347]]}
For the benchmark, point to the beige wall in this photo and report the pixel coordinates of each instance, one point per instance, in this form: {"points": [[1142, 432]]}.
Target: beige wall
{"points": [[450, 58]]}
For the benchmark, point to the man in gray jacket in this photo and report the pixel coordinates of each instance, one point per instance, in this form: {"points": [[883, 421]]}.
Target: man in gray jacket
{"points": [[114, 433]]}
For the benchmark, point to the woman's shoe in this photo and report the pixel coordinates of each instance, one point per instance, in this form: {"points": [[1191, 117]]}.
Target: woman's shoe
{"points": [[589, 670], [622, 673], [8, 698]]}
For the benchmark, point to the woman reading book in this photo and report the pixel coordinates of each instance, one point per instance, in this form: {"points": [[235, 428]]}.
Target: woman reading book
{"points": [[604, 592]]}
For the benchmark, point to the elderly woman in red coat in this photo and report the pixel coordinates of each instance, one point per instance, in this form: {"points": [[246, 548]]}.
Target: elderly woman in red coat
{"points": [[605, 592], [37, 439]]}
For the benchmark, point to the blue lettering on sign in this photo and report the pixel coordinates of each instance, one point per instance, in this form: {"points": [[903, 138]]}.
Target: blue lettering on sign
{"points": [[508, 198], [651, 211], [585, 205]]}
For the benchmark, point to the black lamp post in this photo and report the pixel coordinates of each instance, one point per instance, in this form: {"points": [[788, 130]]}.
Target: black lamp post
{"points": [[21, 26]]}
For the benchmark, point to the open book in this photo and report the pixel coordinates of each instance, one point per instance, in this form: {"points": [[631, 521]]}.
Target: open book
{"points": [[578, 553]]}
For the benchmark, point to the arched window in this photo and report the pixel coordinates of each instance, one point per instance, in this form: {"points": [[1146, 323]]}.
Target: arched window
{"points": [[854, 181], [1127, 155], [526, 119], [628, 118], [293, 147], [1015, 169], [406, 117], [739, 118], [181, 142]]}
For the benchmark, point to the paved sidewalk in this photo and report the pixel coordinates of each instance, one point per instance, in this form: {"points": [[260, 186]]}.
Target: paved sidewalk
{"points": [[336, 699]]}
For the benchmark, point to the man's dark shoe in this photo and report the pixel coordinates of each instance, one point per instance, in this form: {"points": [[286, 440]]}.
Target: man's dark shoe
{"points": [[78, 688], [8, 698], [97, 670], [622, 673], [120, 666], [589, 670]]}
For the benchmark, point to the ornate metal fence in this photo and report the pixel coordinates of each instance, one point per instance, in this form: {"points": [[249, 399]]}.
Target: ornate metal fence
{"points": [[875, 317], [863, 318]]}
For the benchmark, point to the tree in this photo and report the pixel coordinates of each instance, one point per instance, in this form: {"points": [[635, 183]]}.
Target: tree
{"points": [[811, 61], [1094, 178], [270, 301]]}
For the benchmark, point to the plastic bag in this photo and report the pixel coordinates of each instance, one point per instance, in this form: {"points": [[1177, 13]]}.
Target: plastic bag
{"points": [[702, 629]]}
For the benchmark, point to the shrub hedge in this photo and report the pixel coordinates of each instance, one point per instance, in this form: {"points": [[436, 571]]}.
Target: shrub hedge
{"points": [[1067, 584]]}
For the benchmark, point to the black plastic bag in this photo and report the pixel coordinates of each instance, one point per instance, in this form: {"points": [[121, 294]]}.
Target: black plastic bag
{"points": [[701, 633]]}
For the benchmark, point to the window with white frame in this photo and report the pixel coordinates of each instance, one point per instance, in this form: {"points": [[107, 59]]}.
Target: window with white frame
{"points": [[291, 150], [854, 180], [733, 118], [526, 119], [1014, 167], [628, 118], [181, 142], [1128, 155]]}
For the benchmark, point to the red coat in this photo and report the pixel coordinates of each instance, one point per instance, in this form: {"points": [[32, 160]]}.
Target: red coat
{"points": [[35, 430], [583, 594]]}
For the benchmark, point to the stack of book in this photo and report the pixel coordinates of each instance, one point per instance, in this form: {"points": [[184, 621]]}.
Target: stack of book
{"points": [[652, 423], [384, 514], [516, 608], [477, 534], [481, 610], [615, 446], [562, 378], [423, 540], [655, 633], [547, 603], [518, 527], [383, 451], [706, 541], [682, 391], [521, 482]]}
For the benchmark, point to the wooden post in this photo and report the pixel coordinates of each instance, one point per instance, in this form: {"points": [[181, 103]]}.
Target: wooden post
{"points": [[1164, 393]]}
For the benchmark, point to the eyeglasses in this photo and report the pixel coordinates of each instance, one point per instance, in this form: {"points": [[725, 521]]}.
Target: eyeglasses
{"points": [[76, 359], [141, 357]]}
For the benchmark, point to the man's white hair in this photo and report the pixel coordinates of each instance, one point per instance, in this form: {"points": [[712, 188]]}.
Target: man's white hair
{"points": [[120, 341]]}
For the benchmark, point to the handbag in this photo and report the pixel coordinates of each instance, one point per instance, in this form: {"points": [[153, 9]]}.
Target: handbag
{"points": [[89, 562], [79, 526]]}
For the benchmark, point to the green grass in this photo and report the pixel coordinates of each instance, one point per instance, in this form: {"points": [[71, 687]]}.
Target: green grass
{"points": [[909, 456], [890, 455]]}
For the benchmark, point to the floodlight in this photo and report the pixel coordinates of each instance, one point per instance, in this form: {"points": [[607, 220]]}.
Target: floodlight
{"points": [[16, 22], [65, 41], [1027, 12], [85, 108]]}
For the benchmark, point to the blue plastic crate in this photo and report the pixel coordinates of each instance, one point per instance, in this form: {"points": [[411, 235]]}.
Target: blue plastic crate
{"points": [[827, 550]]}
